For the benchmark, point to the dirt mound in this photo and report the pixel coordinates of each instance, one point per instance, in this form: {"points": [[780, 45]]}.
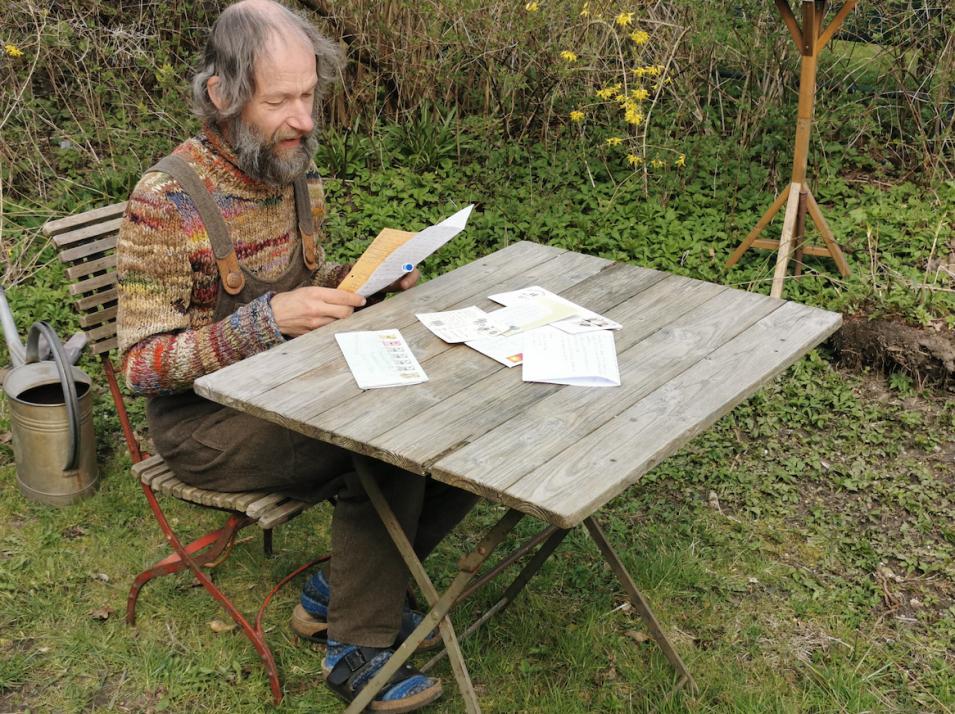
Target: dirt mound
{"points": [[927, 355]]}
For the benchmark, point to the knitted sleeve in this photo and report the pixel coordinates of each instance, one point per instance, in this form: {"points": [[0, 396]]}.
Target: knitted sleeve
{"points": [[164, 349]]}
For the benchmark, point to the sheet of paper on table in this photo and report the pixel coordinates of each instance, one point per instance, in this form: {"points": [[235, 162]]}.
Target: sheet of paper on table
{"points": [[471, 323], [581, 320], [584, 360], [394, 253], [529, 315], [507, 350], [515, 322], [380, 358]]}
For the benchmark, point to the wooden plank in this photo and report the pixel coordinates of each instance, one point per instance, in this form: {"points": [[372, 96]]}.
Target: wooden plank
{"points": [[104, 332], [269, 369], [656, 426], [91, 266], [164, 482], [96, 299], [256, 508], [282, 513], [78, 236], [306, 401], [546, 428], [96, 215], [243, 500], [95, 283], [102, 346], [460, 367], [465, 416], [88, 250], [92, 319], [146, 464]]}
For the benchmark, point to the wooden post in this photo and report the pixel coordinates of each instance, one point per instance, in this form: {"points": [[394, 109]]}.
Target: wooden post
{"points": [[810, 38]]}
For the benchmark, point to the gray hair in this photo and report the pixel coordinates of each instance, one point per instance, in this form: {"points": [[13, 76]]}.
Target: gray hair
{"points": [[237, 40]]}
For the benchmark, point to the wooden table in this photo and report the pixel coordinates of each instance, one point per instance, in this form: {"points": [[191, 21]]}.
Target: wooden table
{"points": [[689, 351]]}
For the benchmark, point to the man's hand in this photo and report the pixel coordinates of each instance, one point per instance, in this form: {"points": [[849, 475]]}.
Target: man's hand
{"points": [[408, 280], [303, 309]]}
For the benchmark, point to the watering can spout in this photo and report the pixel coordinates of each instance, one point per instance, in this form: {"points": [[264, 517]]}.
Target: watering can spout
{"points": [[73, 347], [14, 346]]}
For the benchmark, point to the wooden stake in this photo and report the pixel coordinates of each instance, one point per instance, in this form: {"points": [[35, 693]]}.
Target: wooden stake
{"points": [[785, 241]]}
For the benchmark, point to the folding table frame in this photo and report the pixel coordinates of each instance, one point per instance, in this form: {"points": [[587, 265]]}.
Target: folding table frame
{"points": [[465, 583]]}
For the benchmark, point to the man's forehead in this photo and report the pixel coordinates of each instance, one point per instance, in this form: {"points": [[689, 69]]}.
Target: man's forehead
{"points": [[288, 58]]}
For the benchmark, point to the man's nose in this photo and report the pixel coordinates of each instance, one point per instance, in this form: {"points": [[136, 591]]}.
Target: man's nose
{"points": [[301, 118]]}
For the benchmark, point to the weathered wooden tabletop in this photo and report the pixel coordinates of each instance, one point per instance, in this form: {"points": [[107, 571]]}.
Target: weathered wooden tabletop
{"points": [[689, 351]]}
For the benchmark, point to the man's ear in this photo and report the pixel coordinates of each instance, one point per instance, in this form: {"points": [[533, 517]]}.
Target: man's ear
{"points": [[213, 87]]}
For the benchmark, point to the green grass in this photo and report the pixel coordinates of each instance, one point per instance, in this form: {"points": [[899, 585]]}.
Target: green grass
{"points": [[823, 581]]}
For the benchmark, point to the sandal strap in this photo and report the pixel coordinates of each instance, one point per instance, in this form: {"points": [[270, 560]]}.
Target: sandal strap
{"points": [[354, 666]]}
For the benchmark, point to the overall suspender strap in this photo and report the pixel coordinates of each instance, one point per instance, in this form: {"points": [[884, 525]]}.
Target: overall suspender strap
{"points": [[306, 227], [216, 229]]}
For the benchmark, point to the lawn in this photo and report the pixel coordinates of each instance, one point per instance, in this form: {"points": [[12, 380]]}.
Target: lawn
{"points": [[800, 552]]}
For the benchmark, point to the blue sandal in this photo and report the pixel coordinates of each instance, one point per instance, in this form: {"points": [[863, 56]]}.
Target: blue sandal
{"points": [[348, 668]]}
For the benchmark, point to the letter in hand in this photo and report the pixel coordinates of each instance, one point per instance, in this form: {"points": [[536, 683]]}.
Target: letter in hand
{"points": [[305, 309]]}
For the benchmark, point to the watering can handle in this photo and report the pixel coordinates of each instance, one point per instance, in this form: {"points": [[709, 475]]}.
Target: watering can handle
{"points": [[66, 381]]}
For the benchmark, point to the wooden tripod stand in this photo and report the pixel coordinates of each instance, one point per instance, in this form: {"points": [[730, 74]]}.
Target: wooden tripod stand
{"points": [[811, 38]]}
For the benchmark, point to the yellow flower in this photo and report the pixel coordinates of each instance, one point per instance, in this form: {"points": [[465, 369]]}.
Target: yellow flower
{"points": [[577, 116], [632, 115], [608, 92], [639, 71], [634, 160], [640, 37], [614, 141], [657, 164], [640, 94], [12, 50], [585, 10], [569, 56], [624, 19], [680, 161], [532, 7]]}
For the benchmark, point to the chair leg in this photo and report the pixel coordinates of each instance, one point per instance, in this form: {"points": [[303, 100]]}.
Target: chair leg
{"points": [[255, 636], [267, 542], [213, 543]]}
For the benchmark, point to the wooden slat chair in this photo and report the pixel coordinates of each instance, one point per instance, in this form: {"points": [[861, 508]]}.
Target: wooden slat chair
{"points": [[87, 244]]}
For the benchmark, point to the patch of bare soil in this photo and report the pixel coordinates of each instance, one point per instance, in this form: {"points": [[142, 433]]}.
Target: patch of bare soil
{"points": [[925, 354]]}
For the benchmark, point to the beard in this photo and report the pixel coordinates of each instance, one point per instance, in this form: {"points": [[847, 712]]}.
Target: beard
{"points": [[260, 158]]}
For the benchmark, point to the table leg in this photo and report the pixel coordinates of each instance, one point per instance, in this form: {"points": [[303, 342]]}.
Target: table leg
{"points": [[640, 603], [440, 604], [553, 539]]}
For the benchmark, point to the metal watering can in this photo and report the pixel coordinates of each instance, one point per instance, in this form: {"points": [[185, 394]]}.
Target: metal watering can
{"points": [[50, 415]]}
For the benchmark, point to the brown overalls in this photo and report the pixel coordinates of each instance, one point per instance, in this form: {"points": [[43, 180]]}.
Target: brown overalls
{"points": [[216, 447]]}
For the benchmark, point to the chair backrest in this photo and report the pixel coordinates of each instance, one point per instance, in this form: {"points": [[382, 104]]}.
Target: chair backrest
{"points": [[86, 242]]}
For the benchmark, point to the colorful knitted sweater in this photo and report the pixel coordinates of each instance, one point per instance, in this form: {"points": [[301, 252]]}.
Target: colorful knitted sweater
{"points": [[167, 273]]}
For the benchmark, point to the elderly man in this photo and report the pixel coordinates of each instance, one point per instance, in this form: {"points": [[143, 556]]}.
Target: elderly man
{"points": [[220, 257]]}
